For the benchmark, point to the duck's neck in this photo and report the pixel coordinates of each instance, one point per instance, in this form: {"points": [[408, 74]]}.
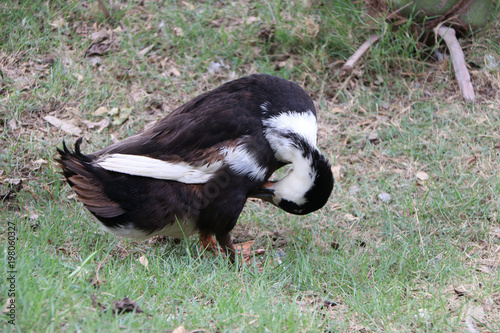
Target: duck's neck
{"points": [[295, 185]]}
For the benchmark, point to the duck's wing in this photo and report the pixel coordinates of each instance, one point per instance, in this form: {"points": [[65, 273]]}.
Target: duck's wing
{"points": [[218, 129]]}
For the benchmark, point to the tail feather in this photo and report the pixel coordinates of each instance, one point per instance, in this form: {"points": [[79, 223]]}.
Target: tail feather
{"points": [[82, 177]]}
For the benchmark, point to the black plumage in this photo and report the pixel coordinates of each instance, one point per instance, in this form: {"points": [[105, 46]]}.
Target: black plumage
{"points": [[194, 170]]}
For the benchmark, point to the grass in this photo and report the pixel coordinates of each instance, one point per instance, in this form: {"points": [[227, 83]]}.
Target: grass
{"points": [[425, 261]]}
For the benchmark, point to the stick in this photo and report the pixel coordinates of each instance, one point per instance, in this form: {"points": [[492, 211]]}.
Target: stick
{"points": [[103, 9], [349, 65], [458, 61]]}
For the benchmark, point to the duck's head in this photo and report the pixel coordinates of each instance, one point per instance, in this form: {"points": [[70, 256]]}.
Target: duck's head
{"points": [[292, 136]]}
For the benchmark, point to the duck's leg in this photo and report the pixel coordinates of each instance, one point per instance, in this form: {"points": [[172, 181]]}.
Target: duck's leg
{"points": [[227, 246], [208, 243]]}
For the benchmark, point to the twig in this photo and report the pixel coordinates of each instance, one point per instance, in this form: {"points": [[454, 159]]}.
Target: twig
{"points": [[98, 281], [103, 9], [349, 65], [458, 60]]}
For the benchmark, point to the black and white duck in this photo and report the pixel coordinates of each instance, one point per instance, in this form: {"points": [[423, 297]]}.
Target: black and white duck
{"points": [[195, 169]]}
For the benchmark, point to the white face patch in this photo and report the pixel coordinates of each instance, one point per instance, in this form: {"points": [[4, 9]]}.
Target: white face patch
{"points": [[295, 185], [301, 123], [178, 229], [243, 162], [136, 165]]}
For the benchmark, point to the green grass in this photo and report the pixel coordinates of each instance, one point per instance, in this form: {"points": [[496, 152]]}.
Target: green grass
{"points": [[426, 261]]}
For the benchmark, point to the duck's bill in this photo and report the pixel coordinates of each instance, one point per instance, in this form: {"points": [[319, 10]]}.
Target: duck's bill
{"points": [[265, 193]]}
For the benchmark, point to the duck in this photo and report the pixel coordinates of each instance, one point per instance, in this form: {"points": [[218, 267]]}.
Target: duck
{"points": [[193, 172]]}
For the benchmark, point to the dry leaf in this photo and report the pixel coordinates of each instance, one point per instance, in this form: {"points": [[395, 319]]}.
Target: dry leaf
{"points": [[422, 175], [144, 261], [188, 5], [145, 50], [13, 124], [251, 19], [216, 67], [102, 124], [350, 217], [94, 60], [245, 248], [178, 31], [122, 116], [14, 181], [354, 189], [137, 94], [38, 163], [64, 125], [179, 329], [10, 304], [336, 172], [337, 110], [99, 36], [373, 136], [58, 22], [100, 111], [174, 71]]}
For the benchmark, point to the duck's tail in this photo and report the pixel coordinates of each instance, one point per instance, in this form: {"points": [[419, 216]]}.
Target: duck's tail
{"points": [[84, 178]]}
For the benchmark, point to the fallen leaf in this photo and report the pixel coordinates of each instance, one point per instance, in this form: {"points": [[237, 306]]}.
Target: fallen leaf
{"points": [[58, 22], [245, 248], [64, 125], [94, 60], [72, 109], [137, 94], [476, 313], [336, 172], [178, 31], [422, 175], [38, 163], [174, 71], [216, 67], [102, 124], [113, 111], [144, 261], [99, 36], [188, 5], [145, 50], [179, 329], [251, 19], [337, 110], [353, 190], [13, 124], [350, 217], [14, 181], [9, 303], [373, 137], [122, 116]]}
